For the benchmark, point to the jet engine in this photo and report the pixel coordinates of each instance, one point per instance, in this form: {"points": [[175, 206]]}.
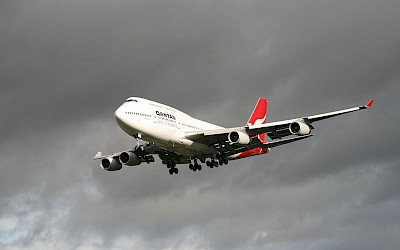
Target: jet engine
{"points": [[238, 137], [129, 158], [299, 128], [110, 164]]}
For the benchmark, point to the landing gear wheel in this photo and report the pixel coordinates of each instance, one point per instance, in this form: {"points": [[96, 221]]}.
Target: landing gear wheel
{"points": [[195, 165], [214, 163], [173, 171]]}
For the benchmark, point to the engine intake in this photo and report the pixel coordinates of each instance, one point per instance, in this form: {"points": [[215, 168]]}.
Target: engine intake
{"points": [[110, 164], [299, 128], [129, 158], [238, 137]]}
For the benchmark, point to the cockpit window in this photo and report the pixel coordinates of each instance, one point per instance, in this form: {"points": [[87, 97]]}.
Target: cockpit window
{"points": [[131, 100]]}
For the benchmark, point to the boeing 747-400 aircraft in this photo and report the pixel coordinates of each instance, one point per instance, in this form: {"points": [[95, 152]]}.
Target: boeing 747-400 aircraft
{"points": [[178, 138]]}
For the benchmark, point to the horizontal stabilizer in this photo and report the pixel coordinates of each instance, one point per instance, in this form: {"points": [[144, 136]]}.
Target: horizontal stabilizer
{"points": [[98, 156]]}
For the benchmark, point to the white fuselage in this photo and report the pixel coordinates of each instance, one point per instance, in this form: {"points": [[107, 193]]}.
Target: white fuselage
{"points": [[163, 125]]}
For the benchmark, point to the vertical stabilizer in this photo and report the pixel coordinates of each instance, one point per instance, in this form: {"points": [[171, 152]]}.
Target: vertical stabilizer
{"points": [[259, 116]]}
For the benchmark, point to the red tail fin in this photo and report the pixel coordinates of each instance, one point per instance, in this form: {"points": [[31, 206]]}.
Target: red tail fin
{"points": [[259, 116]]}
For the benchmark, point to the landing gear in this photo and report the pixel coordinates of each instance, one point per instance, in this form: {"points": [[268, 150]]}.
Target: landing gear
{"points": [[138, 137], [223, 161], [139, 148], [172, 168], [216, 163], [212, 163], [173, 171], [194, 167]]}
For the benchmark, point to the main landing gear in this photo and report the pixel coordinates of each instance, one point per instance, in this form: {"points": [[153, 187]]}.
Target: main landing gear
{"points": [[213, 163], [194, 167], [172, 168], [210, 163]]}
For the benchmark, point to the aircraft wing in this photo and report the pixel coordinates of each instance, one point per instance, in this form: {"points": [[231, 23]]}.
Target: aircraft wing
{"points": [[275, 130]]}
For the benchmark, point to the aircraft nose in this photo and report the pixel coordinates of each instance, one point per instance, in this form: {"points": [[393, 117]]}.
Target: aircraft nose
{"points": [[118, 115]]}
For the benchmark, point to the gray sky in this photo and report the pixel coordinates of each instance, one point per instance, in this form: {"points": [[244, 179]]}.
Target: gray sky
{"points": [[67, 65]]}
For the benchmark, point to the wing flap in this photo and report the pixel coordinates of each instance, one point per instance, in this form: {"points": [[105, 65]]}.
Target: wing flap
{"points": [[286, 141]]}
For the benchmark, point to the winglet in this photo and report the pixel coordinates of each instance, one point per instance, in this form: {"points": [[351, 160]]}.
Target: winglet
{"points": [[98, 155], [370, 103]]}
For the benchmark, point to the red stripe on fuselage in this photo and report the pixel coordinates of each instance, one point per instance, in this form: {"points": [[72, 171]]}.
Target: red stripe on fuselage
{"points": [[252, 152]]}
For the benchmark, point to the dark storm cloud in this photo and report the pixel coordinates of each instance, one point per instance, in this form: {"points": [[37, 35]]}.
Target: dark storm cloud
{"points": [[67, 65]]}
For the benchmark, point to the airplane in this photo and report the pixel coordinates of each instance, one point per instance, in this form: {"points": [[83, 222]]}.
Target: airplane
{"points": [[178, 138]]}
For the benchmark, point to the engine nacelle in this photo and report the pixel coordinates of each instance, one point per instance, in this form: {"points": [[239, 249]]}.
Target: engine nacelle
{"points": [[238, 137], [299, 128], [110, 164], [129, 158]]}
